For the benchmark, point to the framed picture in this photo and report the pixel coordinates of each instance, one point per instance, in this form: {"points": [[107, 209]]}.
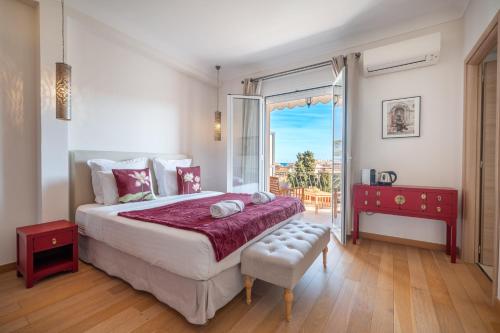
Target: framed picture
{"points": [[401, 117]]}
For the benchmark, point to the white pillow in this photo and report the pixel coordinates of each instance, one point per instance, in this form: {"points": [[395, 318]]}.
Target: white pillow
{"points": [[107, 165], [109, 188], [166, 174]]}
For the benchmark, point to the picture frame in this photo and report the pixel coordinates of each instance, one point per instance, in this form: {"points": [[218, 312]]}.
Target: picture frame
{"points": [[401, 117]]}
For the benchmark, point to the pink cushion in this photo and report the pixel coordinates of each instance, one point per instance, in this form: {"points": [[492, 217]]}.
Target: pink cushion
{"points": [[188, 180], [133, 184]]}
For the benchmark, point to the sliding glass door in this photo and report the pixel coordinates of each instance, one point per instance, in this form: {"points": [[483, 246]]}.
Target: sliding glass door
{"points": [[245, 157]]}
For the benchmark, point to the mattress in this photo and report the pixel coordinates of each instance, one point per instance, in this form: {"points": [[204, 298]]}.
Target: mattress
{"points": [[185, 253]]}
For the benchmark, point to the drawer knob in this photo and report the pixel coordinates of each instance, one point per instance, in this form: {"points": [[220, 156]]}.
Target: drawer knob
{"points": [[377, 203], [378, 193], [423, 206], [366, 192], [400, 199], [439, 198], [423, 196], [366, 202], [54, 241], [438, 209]]}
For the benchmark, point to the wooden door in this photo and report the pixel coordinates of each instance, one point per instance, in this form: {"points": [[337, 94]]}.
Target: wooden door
{"points": [[488, 158]]}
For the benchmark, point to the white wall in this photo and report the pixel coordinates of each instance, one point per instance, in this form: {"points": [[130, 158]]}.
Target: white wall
{"points": [[53, 133], [433, 159], [18, 117], [477, 16], [127, 100]]}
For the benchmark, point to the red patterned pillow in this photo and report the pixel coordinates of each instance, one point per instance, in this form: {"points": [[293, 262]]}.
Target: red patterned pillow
{"points": [[133, 185], [188, 180]]}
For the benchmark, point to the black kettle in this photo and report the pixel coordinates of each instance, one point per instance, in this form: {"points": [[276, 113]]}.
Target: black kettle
{"points": [[387, 178]]}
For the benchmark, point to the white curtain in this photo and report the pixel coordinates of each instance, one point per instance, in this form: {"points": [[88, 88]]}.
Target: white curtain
{"points": [[351, 65], [251, 133], [338, 63]]}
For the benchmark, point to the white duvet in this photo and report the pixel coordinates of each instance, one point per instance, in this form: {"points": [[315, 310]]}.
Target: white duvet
{"points": [[186, 253]]}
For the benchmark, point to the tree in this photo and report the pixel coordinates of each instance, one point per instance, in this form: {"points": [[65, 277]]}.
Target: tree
{"points": [[336, 182], [304, 170], [325, 182]]}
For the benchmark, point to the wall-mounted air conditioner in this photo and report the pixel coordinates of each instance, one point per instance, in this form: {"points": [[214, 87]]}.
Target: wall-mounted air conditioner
{"points": [[409, 54]]}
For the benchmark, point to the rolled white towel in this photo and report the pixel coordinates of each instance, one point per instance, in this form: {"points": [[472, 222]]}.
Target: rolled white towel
{"points": [[226, 208], [262, 197]]}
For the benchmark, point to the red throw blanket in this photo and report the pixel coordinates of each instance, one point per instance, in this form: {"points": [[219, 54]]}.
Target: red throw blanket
{"points": [[226, 234]]}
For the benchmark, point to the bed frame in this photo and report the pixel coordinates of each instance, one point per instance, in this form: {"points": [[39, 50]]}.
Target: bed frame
{"points": [[196, 300]]}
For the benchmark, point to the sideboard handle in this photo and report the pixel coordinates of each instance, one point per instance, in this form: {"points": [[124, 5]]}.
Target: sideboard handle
{"points": [[400, 199]]}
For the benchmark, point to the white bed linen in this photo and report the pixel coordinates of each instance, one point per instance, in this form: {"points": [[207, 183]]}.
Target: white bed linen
{"points": [[186, 253]]}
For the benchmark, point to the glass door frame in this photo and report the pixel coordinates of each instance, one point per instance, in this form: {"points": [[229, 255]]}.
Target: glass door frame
{"points": [[230, 150], [267, 128], [342, 238]]}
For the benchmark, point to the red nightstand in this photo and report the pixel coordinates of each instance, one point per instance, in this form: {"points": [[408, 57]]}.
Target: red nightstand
{"points": [[45, 249]]}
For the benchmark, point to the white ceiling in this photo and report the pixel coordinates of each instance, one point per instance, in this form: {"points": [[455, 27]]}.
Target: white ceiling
{"points": [[202, 33]]}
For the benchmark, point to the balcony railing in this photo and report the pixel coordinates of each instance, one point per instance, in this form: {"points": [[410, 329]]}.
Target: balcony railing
{"points": [[315, 190]]}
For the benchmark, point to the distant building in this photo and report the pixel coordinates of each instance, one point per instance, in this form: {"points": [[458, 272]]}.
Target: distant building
{"points": [[282, 171]]}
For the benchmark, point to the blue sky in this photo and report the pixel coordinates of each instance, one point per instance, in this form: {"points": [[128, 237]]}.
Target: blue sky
{"points": [[302, 128]]}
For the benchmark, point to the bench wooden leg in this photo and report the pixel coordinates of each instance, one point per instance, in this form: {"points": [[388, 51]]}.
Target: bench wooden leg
{"points": [[248, 288], [325, 252], [288, 295]]}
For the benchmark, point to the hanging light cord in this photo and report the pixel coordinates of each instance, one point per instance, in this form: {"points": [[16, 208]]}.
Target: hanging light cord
{"points": [[62, 16], [218, 85]]}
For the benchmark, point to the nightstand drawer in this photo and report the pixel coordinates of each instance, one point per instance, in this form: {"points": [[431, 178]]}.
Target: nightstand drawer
{"points": [[53, 240]]}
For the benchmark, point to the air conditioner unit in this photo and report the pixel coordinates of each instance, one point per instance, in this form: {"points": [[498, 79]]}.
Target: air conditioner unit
{"points": [[409, 54]]}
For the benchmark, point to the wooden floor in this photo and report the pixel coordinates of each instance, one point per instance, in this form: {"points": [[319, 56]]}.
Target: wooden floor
{"points": [[372, 287]]}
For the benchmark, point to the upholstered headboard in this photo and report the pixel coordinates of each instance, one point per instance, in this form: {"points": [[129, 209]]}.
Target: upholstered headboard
{"points": [[81, 191]]}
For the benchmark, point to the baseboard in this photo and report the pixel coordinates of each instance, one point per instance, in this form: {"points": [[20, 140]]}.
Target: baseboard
{"points": [[7, 267], [403, 241]]}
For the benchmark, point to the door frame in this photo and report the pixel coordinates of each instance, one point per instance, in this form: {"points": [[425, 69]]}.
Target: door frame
{"points": [[345, 170], [229, 150], [267, 126], [345, 158], [471, 206]]}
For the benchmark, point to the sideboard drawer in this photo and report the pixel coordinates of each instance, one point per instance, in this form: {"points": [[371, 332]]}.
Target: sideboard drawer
{"points": [[42, 243], [440, 210], [440, 198], [377, 200], [366, 202]]}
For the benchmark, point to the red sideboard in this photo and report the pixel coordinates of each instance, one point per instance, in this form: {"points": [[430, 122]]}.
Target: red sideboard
{"points": [[415, 201]]}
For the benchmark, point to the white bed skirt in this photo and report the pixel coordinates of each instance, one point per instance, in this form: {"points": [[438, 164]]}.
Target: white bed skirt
{"points": [[196, 300]]}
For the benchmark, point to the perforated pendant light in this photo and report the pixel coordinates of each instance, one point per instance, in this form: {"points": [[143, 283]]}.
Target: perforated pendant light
{"points": [[63, 82], [218, 114]]}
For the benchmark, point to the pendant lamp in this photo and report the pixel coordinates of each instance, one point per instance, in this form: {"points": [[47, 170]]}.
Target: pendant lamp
{"points": [[63, 82]]}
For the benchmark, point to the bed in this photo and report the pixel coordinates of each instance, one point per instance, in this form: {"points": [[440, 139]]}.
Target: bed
{"points": [[177, 266]]}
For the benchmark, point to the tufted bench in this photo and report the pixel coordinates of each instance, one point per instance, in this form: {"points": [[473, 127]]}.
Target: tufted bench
{"points": [[282, 257]]}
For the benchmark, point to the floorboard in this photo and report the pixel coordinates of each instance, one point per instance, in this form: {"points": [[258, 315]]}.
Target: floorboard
{"points": [[369, 287]]}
